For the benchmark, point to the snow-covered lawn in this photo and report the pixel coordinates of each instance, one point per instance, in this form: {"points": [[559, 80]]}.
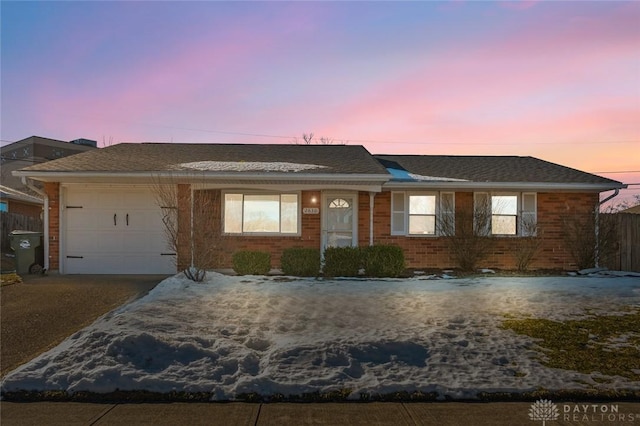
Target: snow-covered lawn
{"points": [[233, 335]]}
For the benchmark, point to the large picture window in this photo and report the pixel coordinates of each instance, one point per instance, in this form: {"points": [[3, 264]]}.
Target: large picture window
{"points": [[421, 213], [253, 213]]}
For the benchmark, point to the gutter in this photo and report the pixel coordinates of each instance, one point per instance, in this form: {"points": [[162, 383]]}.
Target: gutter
{"points": [[596, 253], [26, 182], [491, 186], [59, 176]]}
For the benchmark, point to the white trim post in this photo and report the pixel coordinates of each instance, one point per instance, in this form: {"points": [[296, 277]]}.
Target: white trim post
{"points": [[371, 204]]}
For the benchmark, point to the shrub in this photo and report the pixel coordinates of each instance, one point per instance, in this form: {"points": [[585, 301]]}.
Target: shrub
{"points": [[301, 262], [383, 261], [247, 262], [527, 246], [580, 238], [342, 261], [467, 237]]}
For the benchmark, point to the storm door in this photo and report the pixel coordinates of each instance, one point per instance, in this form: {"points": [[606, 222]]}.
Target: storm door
{"points": [[340, 220]]}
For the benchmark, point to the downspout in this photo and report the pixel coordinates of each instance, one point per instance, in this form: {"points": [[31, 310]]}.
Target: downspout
{"points": [[191, 242], [26, 182], [371, 197], [596, 254]]}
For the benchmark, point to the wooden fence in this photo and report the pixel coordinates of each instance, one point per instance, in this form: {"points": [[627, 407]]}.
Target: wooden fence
{"points": [[13, 221], [627, 255]]}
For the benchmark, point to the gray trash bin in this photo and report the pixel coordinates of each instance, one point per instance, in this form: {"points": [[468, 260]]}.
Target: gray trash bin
{"points": [[27, 245]]}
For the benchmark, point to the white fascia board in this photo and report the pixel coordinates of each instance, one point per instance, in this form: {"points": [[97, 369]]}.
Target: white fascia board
{"points": [[519, 186], [321, 186]]}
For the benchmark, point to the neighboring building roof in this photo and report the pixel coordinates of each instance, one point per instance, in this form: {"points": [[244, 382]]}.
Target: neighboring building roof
{"points": [[487, 169], [34, 150], [14, 194], [632, 210], [219, 158]]}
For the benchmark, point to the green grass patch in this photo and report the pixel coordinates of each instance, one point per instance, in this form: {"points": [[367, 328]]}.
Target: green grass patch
{"points": [[605, 344]]}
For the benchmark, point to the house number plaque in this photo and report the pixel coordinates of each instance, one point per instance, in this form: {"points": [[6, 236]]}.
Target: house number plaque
{"points": [[310, 210]]}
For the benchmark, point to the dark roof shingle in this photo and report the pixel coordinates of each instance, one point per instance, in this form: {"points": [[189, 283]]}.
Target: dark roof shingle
{"points": [[490, 169], [160, 157], [149, 158]]}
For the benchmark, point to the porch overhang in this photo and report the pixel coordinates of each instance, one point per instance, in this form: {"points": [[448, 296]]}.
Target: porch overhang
{"points": [[288, 181]]}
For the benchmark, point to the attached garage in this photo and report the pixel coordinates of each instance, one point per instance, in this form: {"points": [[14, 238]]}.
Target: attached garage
{"points": [[113, 230]]}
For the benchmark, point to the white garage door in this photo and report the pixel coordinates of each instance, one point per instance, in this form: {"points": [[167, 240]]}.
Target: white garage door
{"points": [[114, 231]]}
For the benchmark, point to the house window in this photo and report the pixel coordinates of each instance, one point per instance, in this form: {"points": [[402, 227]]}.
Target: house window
{"points": [[4, 207], [420, 213], [505, 213], [249, 213], [339, 203]]}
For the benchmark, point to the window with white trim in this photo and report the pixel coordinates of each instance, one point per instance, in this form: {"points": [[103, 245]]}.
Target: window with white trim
{"points": [[421, 213], [261, 213], [508, 214]]}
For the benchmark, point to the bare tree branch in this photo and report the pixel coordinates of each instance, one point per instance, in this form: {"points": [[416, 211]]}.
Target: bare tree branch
{"points": [[466, 235], [202, 241]]}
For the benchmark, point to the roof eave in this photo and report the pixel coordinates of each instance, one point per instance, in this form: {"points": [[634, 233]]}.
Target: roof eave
{"points": [[22, 198], [519, 186], [194, 176]]}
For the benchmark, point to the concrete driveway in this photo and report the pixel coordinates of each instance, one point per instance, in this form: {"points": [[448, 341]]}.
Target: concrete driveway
{"points": [[41, 312]]}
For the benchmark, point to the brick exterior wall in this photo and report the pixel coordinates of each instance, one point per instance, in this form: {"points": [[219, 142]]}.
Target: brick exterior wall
{"points": [[222, 247], [52, 189], [420, 252], [432, 252]]}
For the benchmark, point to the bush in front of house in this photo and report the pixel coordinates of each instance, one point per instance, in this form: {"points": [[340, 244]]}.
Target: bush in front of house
{"points": [[383, 260], [248, 262], [342, 261], [300, 262]]}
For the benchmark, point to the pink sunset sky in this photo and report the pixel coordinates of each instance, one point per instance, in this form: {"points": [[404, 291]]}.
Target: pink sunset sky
{"points": [[555, 80]]}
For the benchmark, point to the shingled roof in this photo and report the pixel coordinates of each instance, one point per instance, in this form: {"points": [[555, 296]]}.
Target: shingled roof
{"points": [[318, 163], [219, 158], [490, 169]]}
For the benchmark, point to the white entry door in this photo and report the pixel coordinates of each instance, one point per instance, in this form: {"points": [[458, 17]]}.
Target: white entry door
{"points": [[114, 231], [340, 220]]}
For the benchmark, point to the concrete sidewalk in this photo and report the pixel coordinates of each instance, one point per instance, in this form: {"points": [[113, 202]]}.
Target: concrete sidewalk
{"points": [[366, 414]]}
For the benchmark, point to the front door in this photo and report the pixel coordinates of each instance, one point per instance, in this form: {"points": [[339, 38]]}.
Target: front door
{"points": [[340, 220]]}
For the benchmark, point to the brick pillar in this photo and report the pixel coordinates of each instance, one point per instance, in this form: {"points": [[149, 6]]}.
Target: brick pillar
{"points": [[52, 189], [184, 226]]}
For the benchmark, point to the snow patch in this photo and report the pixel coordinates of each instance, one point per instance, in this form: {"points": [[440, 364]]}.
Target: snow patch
{"points": [[248, 166], [404, 175], [231, 335], [423, 178]]}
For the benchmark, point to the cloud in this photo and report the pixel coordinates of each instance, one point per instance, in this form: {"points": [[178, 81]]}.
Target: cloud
{"points": [[465, 82], [525, 86], [196, 78], [518, 4]]}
